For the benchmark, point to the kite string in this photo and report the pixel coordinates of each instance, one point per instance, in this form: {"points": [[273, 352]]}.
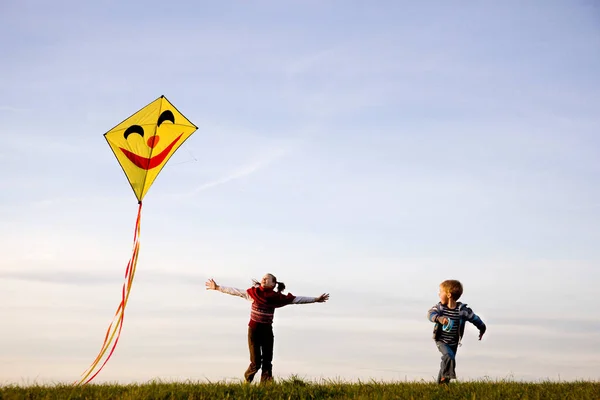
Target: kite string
{"points": [[120, 313], [185, 162]]}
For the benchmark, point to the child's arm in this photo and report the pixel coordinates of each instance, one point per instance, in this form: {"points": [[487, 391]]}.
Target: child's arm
{"points": [[212, 285], [433, 315], [475, 320], [305, 300]]}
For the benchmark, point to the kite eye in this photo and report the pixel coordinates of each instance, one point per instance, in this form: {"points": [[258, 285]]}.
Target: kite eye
{"points": [[134, 129], [166, 116]]}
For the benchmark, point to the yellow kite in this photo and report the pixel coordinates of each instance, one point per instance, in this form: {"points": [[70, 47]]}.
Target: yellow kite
{"points": [[143, 143]]}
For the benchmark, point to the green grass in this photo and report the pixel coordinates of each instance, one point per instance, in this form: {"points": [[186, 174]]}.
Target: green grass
{"points": [[295, 388]]}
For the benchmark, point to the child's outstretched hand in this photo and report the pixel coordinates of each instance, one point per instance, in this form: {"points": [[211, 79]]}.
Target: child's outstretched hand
{"points": [[443, 320], [211, 284], [322, 298]]}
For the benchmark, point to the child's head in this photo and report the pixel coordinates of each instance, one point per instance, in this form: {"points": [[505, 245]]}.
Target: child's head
{"points": [[269, 282], [450, 289]]}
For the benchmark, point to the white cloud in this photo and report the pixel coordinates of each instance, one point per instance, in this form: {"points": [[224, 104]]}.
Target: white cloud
{"points": [[243, 170], [13, 109]]}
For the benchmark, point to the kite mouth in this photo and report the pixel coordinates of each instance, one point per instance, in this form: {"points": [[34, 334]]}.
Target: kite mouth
{"points": [[152, 162]]}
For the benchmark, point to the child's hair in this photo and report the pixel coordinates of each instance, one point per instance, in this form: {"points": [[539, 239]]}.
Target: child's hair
{"points": [[279, 285], [454, 287]]}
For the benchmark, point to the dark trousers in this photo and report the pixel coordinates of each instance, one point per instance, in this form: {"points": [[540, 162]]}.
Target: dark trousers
{"points": [[260, 344], [448, 364]]}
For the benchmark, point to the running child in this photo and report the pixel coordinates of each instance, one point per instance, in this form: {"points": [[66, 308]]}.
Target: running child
{"points": [[449, 316]]}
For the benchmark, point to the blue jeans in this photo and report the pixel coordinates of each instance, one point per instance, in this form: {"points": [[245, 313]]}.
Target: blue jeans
{"points": [[448, 364]]}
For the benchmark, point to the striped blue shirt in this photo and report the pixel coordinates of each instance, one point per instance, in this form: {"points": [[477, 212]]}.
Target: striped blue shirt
{"points": [[450, 337]]}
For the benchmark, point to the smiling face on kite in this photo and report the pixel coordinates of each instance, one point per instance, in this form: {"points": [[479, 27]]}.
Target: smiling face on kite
{"points": [[145, 141]]}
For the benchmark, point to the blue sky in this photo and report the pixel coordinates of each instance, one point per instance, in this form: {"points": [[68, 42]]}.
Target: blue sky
{"points": [[366, 150]]}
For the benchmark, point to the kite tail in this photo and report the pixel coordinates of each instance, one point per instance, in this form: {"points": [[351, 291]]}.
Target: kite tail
{"points": [[114, 329]]}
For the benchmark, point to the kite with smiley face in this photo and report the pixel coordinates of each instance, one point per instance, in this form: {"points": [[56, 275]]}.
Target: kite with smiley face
{"points": [[143, 143]]}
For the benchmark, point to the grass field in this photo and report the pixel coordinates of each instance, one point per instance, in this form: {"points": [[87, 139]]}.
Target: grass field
{"points": [[295, 388]]}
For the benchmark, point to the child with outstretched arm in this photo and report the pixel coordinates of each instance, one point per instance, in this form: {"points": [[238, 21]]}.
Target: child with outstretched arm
{"points": [[264, 301]]}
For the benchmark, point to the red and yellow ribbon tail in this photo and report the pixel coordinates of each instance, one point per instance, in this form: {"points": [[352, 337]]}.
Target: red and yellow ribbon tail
{"points": [[114, 329]]}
